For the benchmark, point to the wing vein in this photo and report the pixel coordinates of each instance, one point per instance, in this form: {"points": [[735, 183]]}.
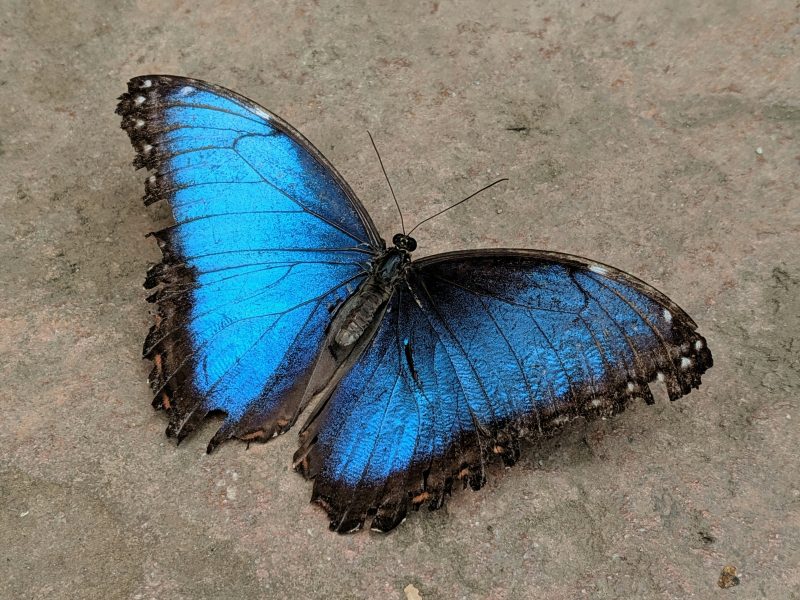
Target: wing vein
{"points": [[463, 352], [488, 294], [257, 121], [517, 359], [233, 322], [627, 339], [557, 357], [284, 193]]}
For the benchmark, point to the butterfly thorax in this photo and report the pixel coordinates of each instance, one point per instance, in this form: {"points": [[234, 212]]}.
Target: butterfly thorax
{"points": [[363, 306]]}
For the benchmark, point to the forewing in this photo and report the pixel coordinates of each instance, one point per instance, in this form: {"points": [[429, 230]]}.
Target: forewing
{"points": [[267, 241], [477, 351]]}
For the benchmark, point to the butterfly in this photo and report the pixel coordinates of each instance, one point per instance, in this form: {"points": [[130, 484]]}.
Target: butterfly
{"points": [[276, 293]]}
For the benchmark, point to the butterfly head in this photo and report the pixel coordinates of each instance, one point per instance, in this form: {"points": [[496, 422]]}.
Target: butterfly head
{"points": [[405, 242]]}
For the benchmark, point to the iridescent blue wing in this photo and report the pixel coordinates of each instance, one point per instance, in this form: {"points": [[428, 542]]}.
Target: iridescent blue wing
{"points": [[478, 350], [267, 239]]}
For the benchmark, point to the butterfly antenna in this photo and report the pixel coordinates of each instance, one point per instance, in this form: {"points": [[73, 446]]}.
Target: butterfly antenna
{"points": [[402, 223], [483, 189]]}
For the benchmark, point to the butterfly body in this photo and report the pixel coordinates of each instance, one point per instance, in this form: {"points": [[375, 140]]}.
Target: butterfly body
{"points": [[276, 294], [364, 305]]}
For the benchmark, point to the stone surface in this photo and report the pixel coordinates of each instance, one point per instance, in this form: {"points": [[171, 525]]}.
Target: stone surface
{"points": [[630, 131]]}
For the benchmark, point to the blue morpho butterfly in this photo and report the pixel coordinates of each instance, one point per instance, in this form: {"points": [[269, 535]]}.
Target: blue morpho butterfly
{"points": [[276, 292]]}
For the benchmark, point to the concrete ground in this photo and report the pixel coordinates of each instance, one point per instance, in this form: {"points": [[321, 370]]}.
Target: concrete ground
{"points": [[654, 135]]}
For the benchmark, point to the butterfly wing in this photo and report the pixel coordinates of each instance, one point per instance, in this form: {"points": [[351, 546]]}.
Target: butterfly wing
{"points": [[267, 240], [478, 350]]}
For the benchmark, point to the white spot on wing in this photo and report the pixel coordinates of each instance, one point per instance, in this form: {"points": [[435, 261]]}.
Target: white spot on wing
{"points": [[185, 90], [146, 83], [598, 269], [596, 402], [698, 345], [685, 362], [667, 316], [631, 386], [139, 123], [262, 113], [152, 179], [147, 148], [138, 100], [660, 376]]}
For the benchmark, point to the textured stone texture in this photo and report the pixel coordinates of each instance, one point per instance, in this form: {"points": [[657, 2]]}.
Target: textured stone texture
{"points": [[657, 136]]}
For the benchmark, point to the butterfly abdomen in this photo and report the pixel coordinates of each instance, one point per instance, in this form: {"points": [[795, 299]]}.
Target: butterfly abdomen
{"points": [[365, 306]]}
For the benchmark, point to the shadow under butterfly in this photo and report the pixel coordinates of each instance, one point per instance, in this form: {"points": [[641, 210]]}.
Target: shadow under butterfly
{"points": [[276, 292]]}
